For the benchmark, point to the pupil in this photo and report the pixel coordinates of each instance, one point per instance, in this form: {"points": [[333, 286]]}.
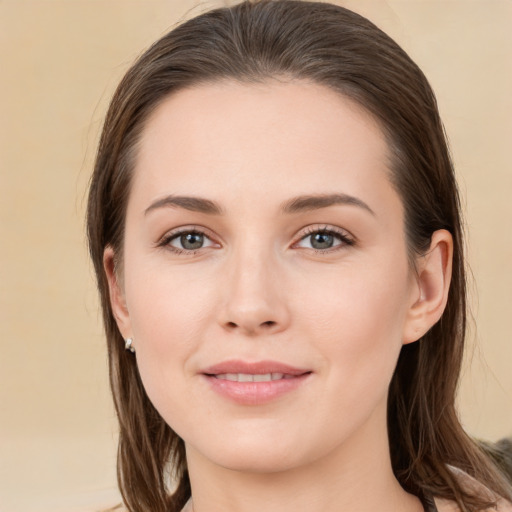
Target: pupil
{"points": [[191, 241], [321, 240]]}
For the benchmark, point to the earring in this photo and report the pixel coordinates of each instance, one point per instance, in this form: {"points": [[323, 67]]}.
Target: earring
{"points": [[128, 345]]}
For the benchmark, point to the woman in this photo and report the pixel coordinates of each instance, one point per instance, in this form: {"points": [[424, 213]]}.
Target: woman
{"points": [[275, 228]]}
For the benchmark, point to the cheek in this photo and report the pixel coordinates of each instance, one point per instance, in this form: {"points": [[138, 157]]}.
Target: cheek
{"points": [[358, 320], [357, 301], [164, 301], [168, 312]]}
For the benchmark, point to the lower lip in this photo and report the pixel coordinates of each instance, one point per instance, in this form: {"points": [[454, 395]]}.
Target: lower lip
{"points": [[255, 393]]}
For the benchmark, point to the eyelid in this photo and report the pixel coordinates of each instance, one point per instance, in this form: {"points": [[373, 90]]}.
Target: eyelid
{"points": [[165, 240], [347, 239]]}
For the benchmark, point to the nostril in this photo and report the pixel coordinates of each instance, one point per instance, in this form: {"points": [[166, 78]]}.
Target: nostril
{"points": [[267, 324]]}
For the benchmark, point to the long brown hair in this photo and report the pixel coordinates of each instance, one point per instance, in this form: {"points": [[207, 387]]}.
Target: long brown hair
{"points": [[329, 45]]}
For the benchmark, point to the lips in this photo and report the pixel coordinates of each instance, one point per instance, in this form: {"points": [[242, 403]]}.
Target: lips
{"points": [[250, 377], [257, 368], [254, 383]]}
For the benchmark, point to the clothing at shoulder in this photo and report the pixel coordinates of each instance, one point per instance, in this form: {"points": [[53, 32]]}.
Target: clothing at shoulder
{"points": [[450, 506], [470, 483], [187, 507]]}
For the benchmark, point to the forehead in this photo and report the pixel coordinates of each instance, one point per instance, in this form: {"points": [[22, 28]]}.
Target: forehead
{"points": [[282, 138]]}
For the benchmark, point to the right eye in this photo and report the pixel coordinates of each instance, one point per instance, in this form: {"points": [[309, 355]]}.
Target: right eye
{"points": [[187, 241]]}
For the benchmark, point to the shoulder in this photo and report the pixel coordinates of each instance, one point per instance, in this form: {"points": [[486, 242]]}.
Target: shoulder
{"points": [[470, 483], [188, 506], [443, 505]]}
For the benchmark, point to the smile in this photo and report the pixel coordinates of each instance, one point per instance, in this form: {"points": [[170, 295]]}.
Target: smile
{"points": [[254, 383], [247, 377]]}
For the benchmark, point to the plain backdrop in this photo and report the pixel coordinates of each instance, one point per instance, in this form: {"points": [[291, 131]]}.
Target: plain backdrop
{"points": [[59, 63]]}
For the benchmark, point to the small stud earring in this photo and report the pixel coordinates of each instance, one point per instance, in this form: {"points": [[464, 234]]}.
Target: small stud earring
{"points": [[128, 345]]}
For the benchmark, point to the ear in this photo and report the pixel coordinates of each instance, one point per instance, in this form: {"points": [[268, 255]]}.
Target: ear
{"points": [[116, 292], [433, 276]]}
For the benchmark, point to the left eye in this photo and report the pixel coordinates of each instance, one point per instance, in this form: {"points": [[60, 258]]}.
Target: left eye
{"points": [[323, 240], [189, 241]]}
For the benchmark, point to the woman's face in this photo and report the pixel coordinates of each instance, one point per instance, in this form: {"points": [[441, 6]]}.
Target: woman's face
{"points": [[265, 281]]}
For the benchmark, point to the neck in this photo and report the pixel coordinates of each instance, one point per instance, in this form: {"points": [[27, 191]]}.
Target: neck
{"points": [[356, 476]]}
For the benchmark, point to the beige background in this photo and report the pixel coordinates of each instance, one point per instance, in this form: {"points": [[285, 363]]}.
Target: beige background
{"points": [[59, 63]]}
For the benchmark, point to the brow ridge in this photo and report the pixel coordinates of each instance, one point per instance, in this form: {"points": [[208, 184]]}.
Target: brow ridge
{"points": [[193, 204], [291, 206], [317, 201]]}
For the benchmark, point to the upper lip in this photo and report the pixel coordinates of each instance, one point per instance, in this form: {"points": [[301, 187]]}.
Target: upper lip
{"points": [[255, 368]]}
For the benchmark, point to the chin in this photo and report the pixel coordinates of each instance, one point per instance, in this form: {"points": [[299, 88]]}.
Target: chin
{"points": [[255, 462], [250, 456]]}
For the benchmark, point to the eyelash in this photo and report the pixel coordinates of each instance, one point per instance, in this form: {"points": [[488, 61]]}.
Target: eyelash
{"points": [[341, 235], [168, 238], [345, 239]]}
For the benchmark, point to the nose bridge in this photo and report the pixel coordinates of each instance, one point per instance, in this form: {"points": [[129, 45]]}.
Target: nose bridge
{"points": [[254, 297]]}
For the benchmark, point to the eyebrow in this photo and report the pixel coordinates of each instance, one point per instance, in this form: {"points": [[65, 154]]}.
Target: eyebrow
{"points": [[293, 205], [315, 202], [193, 204]]}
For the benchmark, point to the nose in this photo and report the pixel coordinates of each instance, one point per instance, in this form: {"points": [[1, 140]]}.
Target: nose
{"points": [[254, 296]]}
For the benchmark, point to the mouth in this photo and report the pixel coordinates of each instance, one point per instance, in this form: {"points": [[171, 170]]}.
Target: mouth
{"points": [[254, 383], [252, 377]]}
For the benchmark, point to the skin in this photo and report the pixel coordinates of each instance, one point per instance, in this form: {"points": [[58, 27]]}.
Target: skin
{"points": [[260, 288]]}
